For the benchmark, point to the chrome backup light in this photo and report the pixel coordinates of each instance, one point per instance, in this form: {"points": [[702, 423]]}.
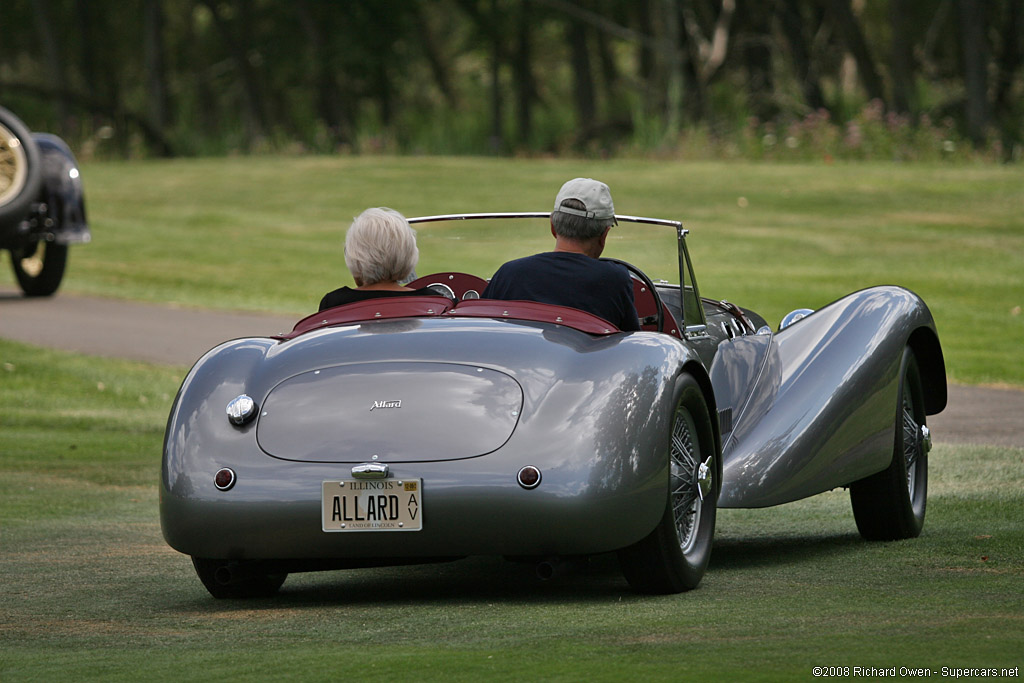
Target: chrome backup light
{"points": [[529, 477], [241, 409], [224, 479]]}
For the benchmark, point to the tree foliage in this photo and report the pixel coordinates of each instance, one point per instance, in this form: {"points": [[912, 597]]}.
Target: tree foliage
{"points": [[182, 77]]}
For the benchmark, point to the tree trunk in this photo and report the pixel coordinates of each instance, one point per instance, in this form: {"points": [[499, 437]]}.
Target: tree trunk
{"points": [[848, 27], [336, 116], [51, 54], [791, 20], [156, 74], [439, 66], [1010, 59], [671, 54], [254, 115], [610, 76], [525, 89], [576, 35], [490, 25], [975, 55], [756, 39], [497, 134], [647, 54], [901, 57]]}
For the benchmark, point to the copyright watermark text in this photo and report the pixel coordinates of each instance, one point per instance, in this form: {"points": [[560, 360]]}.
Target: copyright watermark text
{"points": [[914, 672]]}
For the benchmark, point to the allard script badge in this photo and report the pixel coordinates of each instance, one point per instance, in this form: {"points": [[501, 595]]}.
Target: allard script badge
{"points": [[381, 405]]}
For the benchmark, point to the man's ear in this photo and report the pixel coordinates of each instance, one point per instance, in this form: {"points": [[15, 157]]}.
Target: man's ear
{"points": [[604, 236], [553, 233]]}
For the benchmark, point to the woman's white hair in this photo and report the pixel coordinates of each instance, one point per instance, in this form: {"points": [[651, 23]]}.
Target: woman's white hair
{"points": [[380, 246]]}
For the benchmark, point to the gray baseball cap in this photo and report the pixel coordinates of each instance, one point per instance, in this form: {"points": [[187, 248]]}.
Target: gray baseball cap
{"points": [[594, 194]]}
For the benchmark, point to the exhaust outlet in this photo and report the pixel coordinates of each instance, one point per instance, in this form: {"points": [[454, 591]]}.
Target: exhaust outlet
{"points": [[551, 567]]}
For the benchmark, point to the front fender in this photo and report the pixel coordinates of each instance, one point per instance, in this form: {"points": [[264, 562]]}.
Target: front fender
{"points": [[826, 399]]}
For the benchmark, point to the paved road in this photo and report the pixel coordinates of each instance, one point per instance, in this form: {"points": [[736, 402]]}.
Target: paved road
{"points": [[172, 335], [127, 329]]}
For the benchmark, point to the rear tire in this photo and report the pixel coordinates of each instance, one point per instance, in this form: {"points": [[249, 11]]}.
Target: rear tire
{"points": [[235, 579], [674, 557], [890, 505]]}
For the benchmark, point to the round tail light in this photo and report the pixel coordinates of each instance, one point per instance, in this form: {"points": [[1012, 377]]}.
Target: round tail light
{"points": [[224, 479], [529, 477]]}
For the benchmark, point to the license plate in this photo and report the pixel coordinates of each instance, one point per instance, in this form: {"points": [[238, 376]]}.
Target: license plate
{"points": [[373, 505]]}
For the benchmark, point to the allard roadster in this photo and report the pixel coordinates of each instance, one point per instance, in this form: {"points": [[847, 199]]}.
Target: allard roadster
{"points": [[419, 429]]}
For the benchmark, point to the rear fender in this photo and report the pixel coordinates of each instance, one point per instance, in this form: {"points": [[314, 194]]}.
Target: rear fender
{"points": [[61, 191]]}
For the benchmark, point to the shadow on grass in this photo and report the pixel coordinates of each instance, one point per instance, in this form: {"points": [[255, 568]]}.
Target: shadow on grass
{"points": [[741, 553], [484, 580], [470, 581]]}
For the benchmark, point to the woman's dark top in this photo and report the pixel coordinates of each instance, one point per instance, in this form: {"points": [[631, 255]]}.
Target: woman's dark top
{"points": [[347, 295]]}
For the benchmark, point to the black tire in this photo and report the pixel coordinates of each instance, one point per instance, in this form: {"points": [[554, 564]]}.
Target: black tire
{"points": [[40, 267], [20, 170], [674, 557], [890, 505], [234, 579]]}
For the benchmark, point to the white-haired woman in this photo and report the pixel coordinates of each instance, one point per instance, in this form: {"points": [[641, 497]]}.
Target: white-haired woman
{"points": [[380, 251]]}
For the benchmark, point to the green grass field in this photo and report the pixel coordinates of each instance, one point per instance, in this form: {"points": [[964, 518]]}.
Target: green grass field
{"points": [[90, 591], [265, 233]]}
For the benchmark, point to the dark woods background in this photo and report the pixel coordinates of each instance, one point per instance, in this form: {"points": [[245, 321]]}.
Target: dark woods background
{"points": [[891, 79]]}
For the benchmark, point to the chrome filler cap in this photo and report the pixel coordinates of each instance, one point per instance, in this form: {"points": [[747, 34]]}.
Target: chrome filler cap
{"points": [[241, 409]]}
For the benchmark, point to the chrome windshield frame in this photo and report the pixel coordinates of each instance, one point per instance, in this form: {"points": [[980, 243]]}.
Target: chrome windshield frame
{"points": [[685, 270], [536, 214]]}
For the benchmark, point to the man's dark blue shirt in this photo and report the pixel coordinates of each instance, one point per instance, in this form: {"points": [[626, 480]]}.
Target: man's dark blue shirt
{"points": [[569, 279]]}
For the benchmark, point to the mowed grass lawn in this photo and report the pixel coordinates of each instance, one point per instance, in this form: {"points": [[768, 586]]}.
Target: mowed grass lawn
{"points": [[265, 233], [89, 590]]}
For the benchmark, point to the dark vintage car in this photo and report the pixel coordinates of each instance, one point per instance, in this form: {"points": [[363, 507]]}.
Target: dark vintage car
{"points": [[42, 206], [417, 429]]}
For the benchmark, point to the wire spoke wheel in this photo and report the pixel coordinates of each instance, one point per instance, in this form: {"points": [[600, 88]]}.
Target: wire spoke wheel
{"points": [[686, 502], [890, 505], [13, 165], [911, 443], [674, 556], [21, 173]]}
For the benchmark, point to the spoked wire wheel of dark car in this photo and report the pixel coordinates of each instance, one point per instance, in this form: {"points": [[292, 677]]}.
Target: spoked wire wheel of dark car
{"points": [[674, 556], [13, 165], [19, 169], [890, 505]]}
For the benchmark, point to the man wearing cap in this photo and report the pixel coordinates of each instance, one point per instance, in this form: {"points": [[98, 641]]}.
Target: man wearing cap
{"points": [[572, 275]]}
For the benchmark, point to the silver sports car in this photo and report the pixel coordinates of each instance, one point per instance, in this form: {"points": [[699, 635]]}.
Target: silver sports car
{"points": [[418, 429]]}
